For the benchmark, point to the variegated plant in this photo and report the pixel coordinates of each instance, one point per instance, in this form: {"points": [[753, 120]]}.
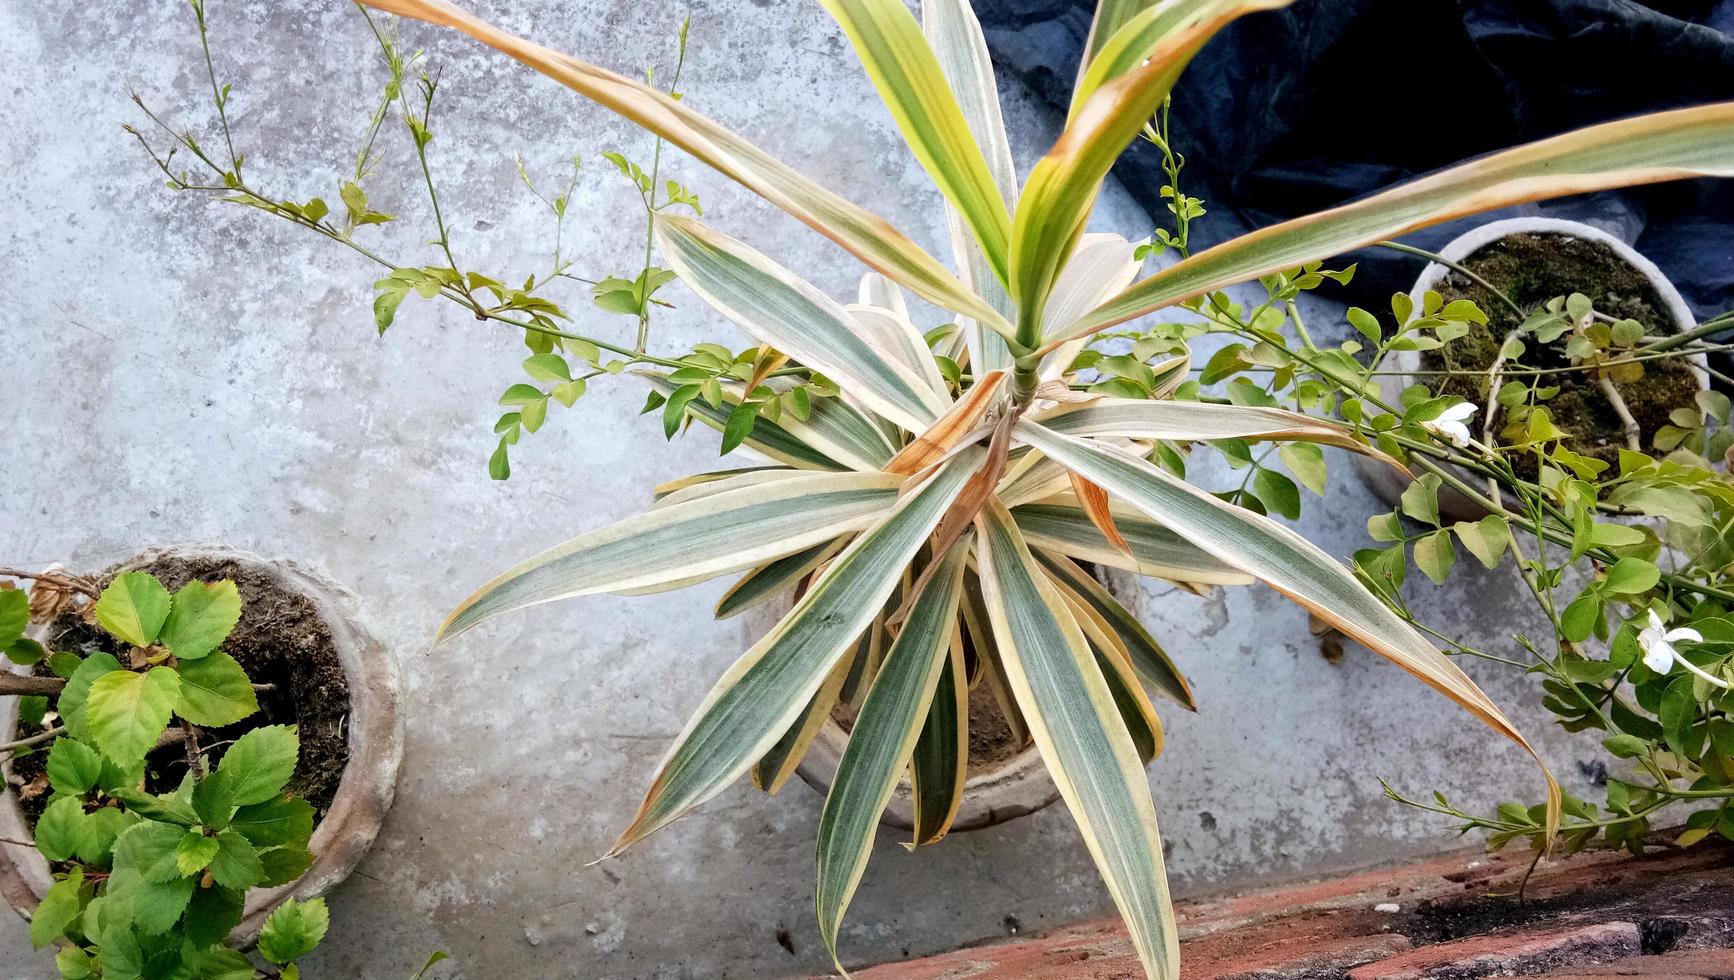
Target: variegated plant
{"points": [[913, 517]]}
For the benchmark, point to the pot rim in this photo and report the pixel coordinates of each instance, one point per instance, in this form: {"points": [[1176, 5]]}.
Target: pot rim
{"points": [[369, 782], [1474, 239]]}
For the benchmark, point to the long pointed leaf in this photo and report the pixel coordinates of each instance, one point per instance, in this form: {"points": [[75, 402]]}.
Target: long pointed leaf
{"points": [[910, 81], [778, 308], [1062, 187], [1281, 558], [885, 733], [1695, 142], [1077, 727], [1110, 17], [870, 237], [1159, 551], [896, 337], [772, 578], [784, 758], [1141, 418], [939, 763], [958, 43], [664, 490], [718, 534], [760, 696], [740, 479], [980, 629], [1102, 266], [1152, 663]]}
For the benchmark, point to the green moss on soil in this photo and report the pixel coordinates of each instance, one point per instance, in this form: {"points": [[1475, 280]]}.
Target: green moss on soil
{"points": [[1532, 269]]}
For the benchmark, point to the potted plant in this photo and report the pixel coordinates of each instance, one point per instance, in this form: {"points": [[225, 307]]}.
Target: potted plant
{"points": [[1569, 305], [203, 743], [896, 473]]}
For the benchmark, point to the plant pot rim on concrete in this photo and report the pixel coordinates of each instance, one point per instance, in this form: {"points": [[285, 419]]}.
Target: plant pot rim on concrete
{"points": [[1012, 788], [369, 778], [1454, 506]]}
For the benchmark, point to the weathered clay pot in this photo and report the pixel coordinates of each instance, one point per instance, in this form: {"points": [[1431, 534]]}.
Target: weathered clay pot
{"points": [[369, 779], [1454, 506]]}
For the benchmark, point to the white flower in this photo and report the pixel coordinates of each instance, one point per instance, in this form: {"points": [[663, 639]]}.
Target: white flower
{"points": [[1451, 424], [1657, 642]]}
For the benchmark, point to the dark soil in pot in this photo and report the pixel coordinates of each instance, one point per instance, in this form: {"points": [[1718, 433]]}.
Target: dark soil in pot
{"points": [[280, 640], [1532, 268]]}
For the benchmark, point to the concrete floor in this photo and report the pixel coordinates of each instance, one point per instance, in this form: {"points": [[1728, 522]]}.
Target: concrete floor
{"points": [[181, 371]]}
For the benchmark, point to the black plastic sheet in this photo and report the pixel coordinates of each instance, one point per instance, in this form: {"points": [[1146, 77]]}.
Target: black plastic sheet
{"points": [[1291, 111]]}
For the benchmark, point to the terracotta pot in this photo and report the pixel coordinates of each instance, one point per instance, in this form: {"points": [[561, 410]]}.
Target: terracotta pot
{"points": [[1453, 506], [369, 778]]}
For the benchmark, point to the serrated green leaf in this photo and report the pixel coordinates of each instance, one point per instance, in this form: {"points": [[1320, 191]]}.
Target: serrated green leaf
{"points": [[60, 829], [194, 852], [14, 616], [74, 698], [149, 849], [260, 762], [280, 820], [284, 864], [58, 909], [101, 827], [293, 929], [73, 767], [214, 800], [127, 711], [236, 864], [200, 619], [215, 691], [211, 914], [133, 607]]}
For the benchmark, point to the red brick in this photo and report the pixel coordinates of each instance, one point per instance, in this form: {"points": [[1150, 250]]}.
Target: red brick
{"points": [[1508, 953], [1703, 964]]}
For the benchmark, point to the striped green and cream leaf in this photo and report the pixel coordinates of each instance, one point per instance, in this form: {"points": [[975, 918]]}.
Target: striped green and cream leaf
{"points": [[784, 757], [1184, 421], [777, 307], [1683, 143], [1160, 553], [762, 694], [913, 86], [1077, 726], [955, 34], [884, 735], [775, 577], [1282, 559], [1147, 657], [683, 542], [869, 237], [939, 762], [1061, 189]]}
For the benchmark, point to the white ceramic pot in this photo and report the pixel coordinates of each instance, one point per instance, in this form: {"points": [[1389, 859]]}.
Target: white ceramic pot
{"points": [[1453, 506]]}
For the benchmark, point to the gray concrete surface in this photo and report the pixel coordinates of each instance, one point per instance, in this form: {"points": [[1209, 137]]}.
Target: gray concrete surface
{"points": [[176, 370]]}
